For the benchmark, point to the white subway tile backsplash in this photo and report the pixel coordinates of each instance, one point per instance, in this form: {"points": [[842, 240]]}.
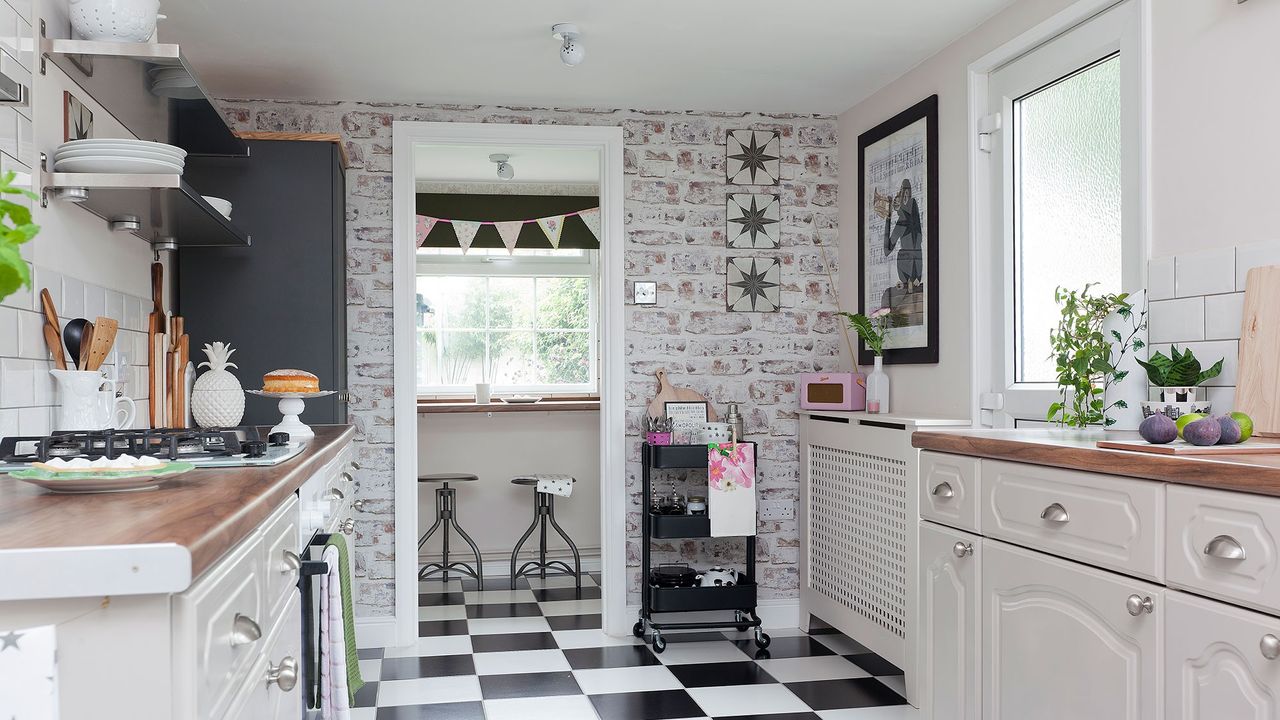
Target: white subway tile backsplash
{"points": [[72, 299], [1172, 321], [42, 278], [1160, 278], [1222, 398], [1208, 352], [131, 319], [95, 301], [35, 420], [44, 384], [8, 332], [1205, 273], [19, 386], [1222, 316], [9, 422], [22, 299], [1255, 255], [31, 344], [115, 306]]}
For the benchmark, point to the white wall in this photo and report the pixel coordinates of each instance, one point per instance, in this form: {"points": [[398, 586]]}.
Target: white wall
{"points": [[941, 389], [1215, 109], [1214, 154], [498, 447]]}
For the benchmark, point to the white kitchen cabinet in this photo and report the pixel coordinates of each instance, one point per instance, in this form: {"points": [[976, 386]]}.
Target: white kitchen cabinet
{"points": [[1063, 641], [950, 593], [1216, 661], [949, 490]]}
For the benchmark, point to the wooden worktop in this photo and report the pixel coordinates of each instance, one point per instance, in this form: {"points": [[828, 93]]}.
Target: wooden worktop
{"points": [[1077, 450], [205, 511]]}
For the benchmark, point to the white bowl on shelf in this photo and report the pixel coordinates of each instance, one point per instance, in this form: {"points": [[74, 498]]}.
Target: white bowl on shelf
{"points": [[115, 20], [108, 152], [113, 165], [121, 144], [222, 206]]}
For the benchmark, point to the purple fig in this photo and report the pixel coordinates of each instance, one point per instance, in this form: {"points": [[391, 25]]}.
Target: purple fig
{"points": [[1230, 430], [1158, 429], [1205, 431]]}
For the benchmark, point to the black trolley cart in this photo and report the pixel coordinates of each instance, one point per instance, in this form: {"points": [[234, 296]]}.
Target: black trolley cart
{"points": [[740, 598]]}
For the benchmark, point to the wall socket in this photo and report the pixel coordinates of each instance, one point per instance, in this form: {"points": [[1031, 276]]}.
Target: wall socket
{"points": [[777, 510]]}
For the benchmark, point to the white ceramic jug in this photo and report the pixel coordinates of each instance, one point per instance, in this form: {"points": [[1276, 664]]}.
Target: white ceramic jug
{"points": [[87, 401]]}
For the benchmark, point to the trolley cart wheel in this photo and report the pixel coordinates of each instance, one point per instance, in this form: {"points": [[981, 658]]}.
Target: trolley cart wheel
{"points": [[638, 629], [762, 640], [659, 642], [740, 617]]}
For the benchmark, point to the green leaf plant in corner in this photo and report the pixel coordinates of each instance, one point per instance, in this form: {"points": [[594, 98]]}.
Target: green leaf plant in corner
{"points": [[16, 228], [1180, 370], [1087, 357]]}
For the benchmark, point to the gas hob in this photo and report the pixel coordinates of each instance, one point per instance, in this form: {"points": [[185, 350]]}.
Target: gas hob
{"points": [[229, 447]]}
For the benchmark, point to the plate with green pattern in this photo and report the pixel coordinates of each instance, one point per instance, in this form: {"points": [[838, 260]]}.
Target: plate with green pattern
{"points": [[96, 481]]}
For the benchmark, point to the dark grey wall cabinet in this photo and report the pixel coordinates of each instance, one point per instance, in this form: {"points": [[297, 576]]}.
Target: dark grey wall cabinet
{"points": [[281, 302]]}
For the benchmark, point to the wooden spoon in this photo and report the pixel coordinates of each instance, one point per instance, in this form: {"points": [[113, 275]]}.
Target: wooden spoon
{"points": [[104, 336], [86, 342], [52, 337]]}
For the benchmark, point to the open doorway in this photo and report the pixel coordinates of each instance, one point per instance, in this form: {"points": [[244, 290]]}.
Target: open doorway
{"points": [[508, 287]]}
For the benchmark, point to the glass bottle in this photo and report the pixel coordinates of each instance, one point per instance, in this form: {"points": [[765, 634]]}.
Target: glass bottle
{"points": [[878, 388]]}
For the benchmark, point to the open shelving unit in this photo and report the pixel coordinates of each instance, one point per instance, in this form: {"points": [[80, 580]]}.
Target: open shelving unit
{"points": [[162, 209], [740, 598]]}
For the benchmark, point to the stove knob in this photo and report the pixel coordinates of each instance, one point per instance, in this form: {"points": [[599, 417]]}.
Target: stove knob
{"points": [[278, 438], [253, 448]]}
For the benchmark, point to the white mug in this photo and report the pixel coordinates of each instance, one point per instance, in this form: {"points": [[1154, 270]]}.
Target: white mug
{"points": [[482, 393], [87, 401]]}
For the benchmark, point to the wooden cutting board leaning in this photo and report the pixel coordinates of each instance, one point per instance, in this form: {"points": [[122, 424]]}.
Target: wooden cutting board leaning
{"points": [[1258, 379]]}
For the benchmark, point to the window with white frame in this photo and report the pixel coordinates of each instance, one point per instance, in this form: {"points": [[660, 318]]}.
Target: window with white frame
{"points": [[522, 322]]}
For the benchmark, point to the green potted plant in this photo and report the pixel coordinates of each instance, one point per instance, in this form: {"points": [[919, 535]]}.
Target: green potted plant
{"points": [[871, 328], [1088, 357], [1178, 376], [16, 228]]}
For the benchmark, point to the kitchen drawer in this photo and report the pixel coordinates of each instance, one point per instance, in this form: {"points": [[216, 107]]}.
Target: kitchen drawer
{"points": [[949, 489], [280, 560], [1225, 544], [263, 696], [219, 623], [1103, 520], [1214, 663]]}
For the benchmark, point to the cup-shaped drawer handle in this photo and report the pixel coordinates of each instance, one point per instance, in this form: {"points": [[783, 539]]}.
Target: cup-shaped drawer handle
{"points": [[358, 506], [1055, 513], [333, 494], [1270, 646], [346, 478], [244, 631], [962, 549], [1136, 605], [1225, 547], [943, 490], [285, 674], [291, 563], [348, 526]]}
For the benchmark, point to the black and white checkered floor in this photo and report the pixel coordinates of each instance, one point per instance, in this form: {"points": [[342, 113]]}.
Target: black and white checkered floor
{"points": [[538, 652]]}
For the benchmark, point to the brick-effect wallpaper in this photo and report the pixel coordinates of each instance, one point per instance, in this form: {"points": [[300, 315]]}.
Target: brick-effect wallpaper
{"points": [[675, 220]]}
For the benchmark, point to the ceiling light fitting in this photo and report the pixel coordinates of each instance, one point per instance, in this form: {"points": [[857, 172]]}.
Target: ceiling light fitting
{"points": [[505, 171], [571, 50]]}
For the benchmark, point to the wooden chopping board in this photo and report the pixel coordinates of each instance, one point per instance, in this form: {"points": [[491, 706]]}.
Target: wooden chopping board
{"points": [[670, 393], [1181, 447], [1258, 379]]}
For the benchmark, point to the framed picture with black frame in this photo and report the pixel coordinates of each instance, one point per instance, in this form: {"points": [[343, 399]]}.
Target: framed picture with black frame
{"points": [[898, 232]]}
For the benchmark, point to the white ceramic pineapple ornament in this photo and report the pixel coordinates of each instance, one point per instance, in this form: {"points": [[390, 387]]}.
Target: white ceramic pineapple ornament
{"points": [[218, 398]]}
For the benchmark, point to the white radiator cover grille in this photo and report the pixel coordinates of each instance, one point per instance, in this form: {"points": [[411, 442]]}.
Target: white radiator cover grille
{"points": [[858, 533]]}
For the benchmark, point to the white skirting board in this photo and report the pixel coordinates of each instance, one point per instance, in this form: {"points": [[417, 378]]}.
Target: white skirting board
{"points": [[780, 613], [377, 631]]}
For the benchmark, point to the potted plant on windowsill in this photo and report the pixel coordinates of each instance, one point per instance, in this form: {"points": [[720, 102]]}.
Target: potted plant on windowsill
{"points": [[1088, 356], [871, 328], [1177, 377]]}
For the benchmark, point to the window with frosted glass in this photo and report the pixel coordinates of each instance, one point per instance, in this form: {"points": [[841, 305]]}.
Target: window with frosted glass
{"points": [[1066, 198]]}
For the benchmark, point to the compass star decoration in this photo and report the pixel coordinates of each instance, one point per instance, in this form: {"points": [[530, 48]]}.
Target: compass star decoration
{"points": [[754, 221], [754, 158], [10, 640], [755, 285]]}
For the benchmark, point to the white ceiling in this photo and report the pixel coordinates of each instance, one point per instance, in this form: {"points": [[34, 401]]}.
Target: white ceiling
{"points": [[470, 163], [766, 55]]}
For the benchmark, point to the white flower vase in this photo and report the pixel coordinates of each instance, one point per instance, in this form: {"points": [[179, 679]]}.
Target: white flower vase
{"points": [[878, 388]]}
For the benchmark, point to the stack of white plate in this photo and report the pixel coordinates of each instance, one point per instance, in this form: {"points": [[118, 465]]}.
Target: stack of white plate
{"points": [[173, 81], [222, 206], [119, 156]]}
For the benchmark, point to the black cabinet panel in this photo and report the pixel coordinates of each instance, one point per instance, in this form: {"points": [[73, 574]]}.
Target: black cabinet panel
{"points": [[281, 302]]}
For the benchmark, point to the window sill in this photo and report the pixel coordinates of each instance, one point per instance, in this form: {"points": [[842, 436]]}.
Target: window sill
{"points": [[548, 405]]}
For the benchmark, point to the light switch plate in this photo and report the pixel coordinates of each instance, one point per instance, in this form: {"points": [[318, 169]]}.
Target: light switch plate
{"points": [[777, 510], [644, 292]]}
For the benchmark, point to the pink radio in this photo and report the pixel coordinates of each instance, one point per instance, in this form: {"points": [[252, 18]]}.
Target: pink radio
{"points": [[833, 391]]}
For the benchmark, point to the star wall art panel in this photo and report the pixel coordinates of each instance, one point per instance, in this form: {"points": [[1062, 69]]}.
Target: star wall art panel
{"points": [[753, 157], [754, 221], [754, 284]]}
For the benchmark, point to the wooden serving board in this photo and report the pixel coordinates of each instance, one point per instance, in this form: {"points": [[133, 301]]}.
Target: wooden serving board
{"points": [[1258, 379], [670, 393], [1181, 447]]}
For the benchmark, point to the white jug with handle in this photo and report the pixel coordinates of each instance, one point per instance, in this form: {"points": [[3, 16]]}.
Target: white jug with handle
{"points": [[87, 401]]}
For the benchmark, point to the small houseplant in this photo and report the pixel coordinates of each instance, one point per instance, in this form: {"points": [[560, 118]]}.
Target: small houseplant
{"points": [[1088, 358], [1178, 374], [16, 228], [871, 328]]}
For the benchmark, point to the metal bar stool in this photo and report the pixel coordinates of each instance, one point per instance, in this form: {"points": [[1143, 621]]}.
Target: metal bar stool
{"points": [[446, 514], [544, 511]]}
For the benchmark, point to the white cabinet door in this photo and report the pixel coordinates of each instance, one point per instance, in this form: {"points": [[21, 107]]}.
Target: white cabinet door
{"points": [[1215, 665], [950, 652], [1059, 641]]}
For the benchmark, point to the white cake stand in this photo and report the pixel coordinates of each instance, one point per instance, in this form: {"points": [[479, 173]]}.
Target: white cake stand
{"points": [[291, 406]]}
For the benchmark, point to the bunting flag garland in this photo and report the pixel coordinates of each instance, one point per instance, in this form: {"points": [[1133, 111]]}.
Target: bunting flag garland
{"points": [[592, 220], [425, 225], [552, 226], [510, 231], [466, 230]]}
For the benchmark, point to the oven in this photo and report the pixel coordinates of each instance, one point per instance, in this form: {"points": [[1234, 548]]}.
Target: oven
{"points": [[309, 588]]}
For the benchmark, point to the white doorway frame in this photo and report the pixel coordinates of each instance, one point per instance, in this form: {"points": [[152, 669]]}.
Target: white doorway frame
{"points": [[608, 142], [981, 222]]}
